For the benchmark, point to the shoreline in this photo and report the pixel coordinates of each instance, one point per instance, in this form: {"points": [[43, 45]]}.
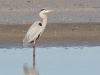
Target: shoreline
{"points": [[55, 34]]}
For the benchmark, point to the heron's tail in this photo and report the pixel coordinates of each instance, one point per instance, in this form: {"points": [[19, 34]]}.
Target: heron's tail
{"points": [[25, 42]]}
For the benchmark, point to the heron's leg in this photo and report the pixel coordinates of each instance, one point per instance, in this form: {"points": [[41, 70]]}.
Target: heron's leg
{"points": [[34, 47]]}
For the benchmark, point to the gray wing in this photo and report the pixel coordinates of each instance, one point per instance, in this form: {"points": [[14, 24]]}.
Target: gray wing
{"points": [[32, 33]]}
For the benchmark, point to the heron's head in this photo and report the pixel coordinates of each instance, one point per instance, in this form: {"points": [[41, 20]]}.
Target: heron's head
{"points": [[45, 11]]}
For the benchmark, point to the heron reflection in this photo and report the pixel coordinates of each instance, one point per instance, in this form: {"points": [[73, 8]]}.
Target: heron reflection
{"points": [[30, 71]]}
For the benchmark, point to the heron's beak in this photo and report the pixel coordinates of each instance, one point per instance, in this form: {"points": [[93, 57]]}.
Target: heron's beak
{"points": [[50, 10]]}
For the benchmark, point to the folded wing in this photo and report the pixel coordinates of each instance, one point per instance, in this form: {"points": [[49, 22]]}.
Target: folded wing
{"points": [[32, 33]]}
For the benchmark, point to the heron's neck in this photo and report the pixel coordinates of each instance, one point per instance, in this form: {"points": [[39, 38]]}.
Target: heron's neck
{"points": [[44, 17]]}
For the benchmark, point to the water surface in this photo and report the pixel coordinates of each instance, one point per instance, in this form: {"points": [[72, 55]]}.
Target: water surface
{"points": [[50, 61]]}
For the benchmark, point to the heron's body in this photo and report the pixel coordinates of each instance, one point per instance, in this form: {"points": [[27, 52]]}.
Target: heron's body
{"points": [[32, 33], [36, 29]]}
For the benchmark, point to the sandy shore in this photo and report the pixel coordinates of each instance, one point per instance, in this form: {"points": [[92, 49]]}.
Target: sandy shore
{"points": [[65, 11], [55, 34]]}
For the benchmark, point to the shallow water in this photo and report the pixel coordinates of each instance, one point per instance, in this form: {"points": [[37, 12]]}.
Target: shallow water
{"points": [[50, 61]]}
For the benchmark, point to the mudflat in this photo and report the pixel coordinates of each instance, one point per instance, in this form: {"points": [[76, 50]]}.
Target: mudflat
{"points": [[55, 34]]}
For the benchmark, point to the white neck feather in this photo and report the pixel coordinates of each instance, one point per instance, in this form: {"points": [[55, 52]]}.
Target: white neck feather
{"points": [[44, 17]]}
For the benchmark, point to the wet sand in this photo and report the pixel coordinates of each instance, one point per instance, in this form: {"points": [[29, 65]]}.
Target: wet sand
{"points": [[55, 34]]}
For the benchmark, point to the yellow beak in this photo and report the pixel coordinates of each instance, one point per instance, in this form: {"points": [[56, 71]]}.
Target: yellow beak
{"points": [[50, 10]]}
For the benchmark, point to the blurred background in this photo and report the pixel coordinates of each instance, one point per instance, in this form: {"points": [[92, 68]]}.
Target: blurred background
{"points": [[65, 11]]}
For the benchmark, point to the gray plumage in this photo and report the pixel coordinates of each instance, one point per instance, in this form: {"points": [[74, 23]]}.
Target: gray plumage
{"points": [[36, 29], [32, 33]]}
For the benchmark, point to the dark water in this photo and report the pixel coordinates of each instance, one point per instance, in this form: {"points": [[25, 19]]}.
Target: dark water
{"points": [[50, 61]]}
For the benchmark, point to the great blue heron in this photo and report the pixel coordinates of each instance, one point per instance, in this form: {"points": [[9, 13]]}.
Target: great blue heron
{"points": [[36, 29]]}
